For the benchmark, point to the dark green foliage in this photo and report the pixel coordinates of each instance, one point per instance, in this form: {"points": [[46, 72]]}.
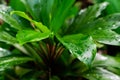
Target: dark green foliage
{"points": [[52, 40]]}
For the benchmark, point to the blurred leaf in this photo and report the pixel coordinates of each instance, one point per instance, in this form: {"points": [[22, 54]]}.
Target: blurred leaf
{"points": [[81, 46], [106, 61], [7, 18], [25, 36], [33, 7], [103, 32], [86, 16], [6, 37], [61, 14], [37, 24], [46, 8], [21, 71], [108, 22], [106, 37], [39, 9], [17, 5], [4, 52], [6, 62], [54, 78], [101, 74], [113, 7]]}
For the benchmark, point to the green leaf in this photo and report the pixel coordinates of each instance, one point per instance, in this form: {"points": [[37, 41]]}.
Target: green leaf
{"points": [[45, 13], [113, 6], [86, 16], [103, 32], [6, 62], [5, 37], [100, 74], [106, 61], [61, 14], [33, 7], [25, 36], [80, 46], [39, 25], [106, 36], [15, 6], [4, 52], [8, 19], [40, 10]]}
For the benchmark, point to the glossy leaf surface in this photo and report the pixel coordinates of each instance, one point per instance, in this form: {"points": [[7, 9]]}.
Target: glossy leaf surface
{"points": [[80, 46], [40, 26], [86, 16], [25, 36]]}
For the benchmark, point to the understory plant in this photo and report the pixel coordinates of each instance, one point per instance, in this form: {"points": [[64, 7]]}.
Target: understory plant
{"points": [[54, 40]]}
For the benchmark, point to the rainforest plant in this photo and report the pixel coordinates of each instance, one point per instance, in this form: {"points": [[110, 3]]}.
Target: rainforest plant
{"points": [[53, 40]]}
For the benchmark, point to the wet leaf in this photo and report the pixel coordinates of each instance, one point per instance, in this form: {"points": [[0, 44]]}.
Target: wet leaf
{"points": [[80, 46], [86, 16]]}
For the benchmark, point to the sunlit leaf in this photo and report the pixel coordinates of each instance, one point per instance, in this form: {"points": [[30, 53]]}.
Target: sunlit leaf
{"points": [[25, 36], [40, 26]]}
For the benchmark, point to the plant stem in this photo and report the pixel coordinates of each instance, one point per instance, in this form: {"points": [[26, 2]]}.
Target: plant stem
{"points": [[34, 54], [49, 73]]}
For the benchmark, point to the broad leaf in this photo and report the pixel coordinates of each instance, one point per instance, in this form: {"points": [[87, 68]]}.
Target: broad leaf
{"points": [[17, 5], [7, 62], [101, 74], [103, 32], [25, 36], [108, 22], [86, 16], [60, 15], [45, 13], [39, 25], [81, 47], [114, 6], [40, 10], [106, 37]]}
